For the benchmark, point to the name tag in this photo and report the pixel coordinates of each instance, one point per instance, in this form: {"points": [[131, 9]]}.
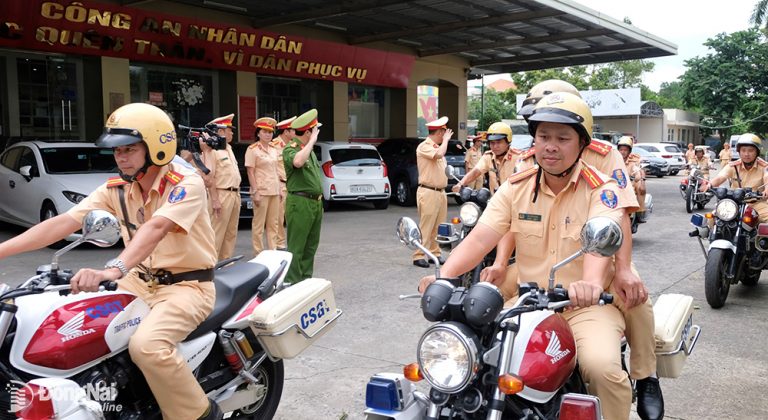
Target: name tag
{"points": [[530, 217]]}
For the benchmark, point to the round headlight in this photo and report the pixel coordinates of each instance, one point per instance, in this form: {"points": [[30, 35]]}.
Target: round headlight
{"points": [[469, 213], [726, 210], [448, 356]]}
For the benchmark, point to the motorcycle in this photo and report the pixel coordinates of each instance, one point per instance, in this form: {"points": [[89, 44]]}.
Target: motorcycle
{"points": [[642, 216], [689, 189], [738, 244], [65, 356]]}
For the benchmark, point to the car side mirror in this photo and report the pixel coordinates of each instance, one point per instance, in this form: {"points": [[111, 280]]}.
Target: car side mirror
{"points": [[26, 172]]}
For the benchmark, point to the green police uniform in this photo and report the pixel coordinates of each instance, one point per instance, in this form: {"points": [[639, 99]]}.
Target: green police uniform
{"points": [[303, 209]]}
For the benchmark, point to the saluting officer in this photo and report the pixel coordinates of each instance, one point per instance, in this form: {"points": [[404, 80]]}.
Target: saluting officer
{"points": [[284, 134], [430, 197], [303, 206]]}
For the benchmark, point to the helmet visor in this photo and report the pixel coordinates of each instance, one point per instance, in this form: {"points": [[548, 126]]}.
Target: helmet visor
{"points": [[115, 137], [556, 115], [528, 106], [492, 137]]}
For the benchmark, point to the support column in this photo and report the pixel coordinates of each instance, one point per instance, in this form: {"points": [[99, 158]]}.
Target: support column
{"points": [[340, 111], [115, 84]]}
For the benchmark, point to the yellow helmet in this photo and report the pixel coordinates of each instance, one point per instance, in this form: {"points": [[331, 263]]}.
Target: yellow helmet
{"points": [[543, 89], [499, 131], [563, 108], [626, 141], [139, 122], [749, 139]]}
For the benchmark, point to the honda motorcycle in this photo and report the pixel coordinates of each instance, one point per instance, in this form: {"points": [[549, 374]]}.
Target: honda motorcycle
{"points": [[738, 243], [689, 188], [65, 356], [482, 361]]}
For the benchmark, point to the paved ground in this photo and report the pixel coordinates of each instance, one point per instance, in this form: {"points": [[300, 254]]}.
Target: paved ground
{"points": [[726, 377]]}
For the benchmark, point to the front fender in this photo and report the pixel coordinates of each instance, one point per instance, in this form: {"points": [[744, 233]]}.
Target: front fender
{"points": [[722, 244]]}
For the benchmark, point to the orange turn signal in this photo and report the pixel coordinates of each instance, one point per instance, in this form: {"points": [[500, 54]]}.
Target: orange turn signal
{"points": [[747, 219], [709, 215], [412, 372], [456, 220], [510, 384]]}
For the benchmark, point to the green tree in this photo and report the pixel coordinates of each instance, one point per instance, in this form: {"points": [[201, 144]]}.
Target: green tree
{"points": [[620, 74], [576, 75], [760, 13], [670, 95], [496, 108]]}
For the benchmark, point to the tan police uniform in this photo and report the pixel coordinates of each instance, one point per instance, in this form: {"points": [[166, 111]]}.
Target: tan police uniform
{"points": [[740, 177], [498, 167], [279, 145], [471, 158], [266, 163], [703, 164], [725, 157], [177, 309], [634, 171], [431, 201], [227, 182], [689, 154], [546, 232]]}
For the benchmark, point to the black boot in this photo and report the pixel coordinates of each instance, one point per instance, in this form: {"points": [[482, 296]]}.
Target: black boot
{"points": [[213, 413], [650, 402]]}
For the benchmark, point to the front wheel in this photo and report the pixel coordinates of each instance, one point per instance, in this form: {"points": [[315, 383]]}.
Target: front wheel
{"points": [[716, 284], [689, 199], [266, 393]]}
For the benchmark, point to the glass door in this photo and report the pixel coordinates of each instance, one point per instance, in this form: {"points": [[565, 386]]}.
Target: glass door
{"points": [[278, 98]]}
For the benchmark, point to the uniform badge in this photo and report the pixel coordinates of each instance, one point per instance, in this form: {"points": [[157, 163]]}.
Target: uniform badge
{"points": [[530, 217], [609, 198], [620, 178], [177, 194]]}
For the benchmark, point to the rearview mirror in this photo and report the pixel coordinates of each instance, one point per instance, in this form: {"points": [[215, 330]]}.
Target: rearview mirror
{"points": [[101, 228], [450, 172], [601, 236], [408, 232]]}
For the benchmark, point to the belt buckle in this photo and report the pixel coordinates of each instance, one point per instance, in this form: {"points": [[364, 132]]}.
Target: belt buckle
{"points": [[152, 283]]}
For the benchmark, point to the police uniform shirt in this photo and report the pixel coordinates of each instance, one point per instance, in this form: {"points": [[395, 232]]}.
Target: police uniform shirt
{"points": [[227, 173], [504, 165], [752, 178], [690, 155], [431, 168], [472, 157], [306, 178], [265, 161], [179, 196], [548, 230], [633, 166], [703, 164], [725, 155], [279, 145]]}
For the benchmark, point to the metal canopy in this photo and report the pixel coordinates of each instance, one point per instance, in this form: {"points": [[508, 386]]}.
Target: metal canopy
{"points": [[495, 36]]}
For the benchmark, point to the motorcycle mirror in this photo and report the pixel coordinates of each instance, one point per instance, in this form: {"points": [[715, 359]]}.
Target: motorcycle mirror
{"points": [[101, 228], [601, 236], [450, 172], [408, 232]]}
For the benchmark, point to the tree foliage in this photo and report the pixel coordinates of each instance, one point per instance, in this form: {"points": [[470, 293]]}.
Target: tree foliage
{"points": [[617, 75], [498, 106]]}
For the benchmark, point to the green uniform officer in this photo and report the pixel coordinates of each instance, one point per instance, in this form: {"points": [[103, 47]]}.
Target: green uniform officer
{"points": [[304, 206]]}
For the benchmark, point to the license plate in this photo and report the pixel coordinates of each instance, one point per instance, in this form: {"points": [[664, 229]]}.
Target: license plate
{"points": [[249, 205], [359, 189]]}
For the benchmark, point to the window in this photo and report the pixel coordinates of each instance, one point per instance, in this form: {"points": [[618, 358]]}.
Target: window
{"points": [[10, 158], [670, 134], [70, 160], [368, 112], [672, 149], [355, 157]]}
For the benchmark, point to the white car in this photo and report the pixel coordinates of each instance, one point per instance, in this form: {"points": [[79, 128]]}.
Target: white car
{"points": [[39, 180], [352, 172], [668, 151]]}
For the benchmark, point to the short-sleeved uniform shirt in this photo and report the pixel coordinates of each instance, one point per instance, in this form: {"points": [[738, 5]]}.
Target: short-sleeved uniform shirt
{"points": [[499, 167], [703, 164], [633, 166], [431, 167], [279, 145], [725, 156], [548, 230], [606, 160], [178, 195], [305, 179], [752, 178], [227, 173], [265, 162], [690, 154], [472, 157]]}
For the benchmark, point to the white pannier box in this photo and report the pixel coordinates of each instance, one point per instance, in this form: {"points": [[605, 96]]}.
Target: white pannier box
{"points": [[292, 319], [675, 333]]}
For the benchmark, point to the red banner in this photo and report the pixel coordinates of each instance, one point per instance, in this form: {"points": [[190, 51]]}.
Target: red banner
{"points": [[246, 117], [93, 28]]}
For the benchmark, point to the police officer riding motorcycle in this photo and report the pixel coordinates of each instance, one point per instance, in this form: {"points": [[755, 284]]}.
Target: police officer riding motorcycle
{"points": [[698, 171], [637, 179]]}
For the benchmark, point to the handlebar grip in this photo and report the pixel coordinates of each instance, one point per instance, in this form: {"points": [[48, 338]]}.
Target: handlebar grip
{"points": [[694, 233], [607, 298], [109, 286]]}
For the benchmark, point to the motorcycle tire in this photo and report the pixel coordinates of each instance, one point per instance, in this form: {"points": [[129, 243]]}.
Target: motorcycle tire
{"points": [[273, 375], [689, 200], [700, 206], [716, 286], [750, 278]]}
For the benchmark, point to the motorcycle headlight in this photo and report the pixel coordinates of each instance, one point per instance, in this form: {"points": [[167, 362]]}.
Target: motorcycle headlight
{"points": [[726, 210], [448, 356], [469, 213]]}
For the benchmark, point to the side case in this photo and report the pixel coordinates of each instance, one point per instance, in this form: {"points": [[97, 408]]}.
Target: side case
{"points": [[675, 333]]}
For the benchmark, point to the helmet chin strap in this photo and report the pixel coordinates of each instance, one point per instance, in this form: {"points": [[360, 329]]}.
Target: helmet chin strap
{"points": [[139, 174]]}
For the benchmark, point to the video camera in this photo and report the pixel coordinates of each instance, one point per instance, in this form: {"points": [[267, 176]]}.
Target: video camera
{"points": [[191, 141]]}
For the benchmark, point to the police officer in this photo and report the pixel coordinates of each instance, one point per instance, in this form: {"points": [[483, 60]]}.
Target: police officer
{"points": [[635, 171], [500, 161], [169, 254], [725, 155], [284, 134], [749, 171], [471, 158], [223, 184], [430, 197], [303, 206], [544, 208], [263, 164], [701, 160]]}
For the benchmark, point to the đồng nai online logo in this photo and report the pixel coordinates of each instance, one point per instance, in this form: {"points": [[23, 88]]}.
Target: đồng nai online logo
{"points": [[22, 395]]}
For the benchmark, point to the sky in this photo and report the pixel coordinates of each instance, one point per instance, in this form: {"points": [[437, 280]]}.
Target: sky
{"points": [[686, 23]]}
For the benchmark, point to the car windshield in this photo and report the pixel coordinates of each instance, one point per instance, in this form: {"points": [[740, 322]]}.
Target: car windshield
{"points": [[355, 157], [672, 149], [642, 152], [78, 160], [648, 148]]}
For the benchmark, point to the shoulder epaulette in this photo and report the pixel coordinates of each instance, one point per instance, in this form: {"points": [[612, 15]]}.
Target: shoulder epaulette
{"points": [[761, 163], [488, 152], [274, 143], [253, 145], [528, 153], [735, 163], [593, 179], [515, 151], [522, 175], [293, 144], [174, 177], [115, 181], [599, 147]]}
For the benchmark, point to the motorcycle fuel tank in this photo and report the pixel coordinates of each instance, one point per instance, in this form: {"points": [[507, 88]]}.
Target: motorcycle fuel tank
{"points": [[544, 355], [61, 336]]}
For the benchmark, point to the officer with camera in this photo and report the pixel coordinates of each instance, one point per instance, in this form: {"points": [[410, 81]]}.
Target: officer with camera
{"points": [[223, 184]]}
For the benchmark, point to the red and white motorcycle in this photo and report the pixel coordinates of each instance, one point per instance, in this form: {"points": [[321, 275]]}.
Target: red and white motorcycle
{"points": [[65, 356]]}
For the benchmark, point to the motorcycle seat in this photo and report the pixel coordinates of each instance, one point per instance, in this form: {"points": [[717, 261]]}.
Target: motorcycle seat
{"points": [[235, 285]]}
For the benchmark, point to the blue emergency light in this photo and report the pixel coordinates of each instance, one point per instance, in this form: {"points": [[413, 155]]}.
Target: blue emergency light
{"points": [[382, 394], [698, 220]]}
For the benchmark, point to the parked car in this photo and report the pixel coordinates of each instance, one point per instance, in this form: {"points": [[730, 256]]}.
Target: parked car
{"points": [[521, 138], [246, 205], [669, 151], [39, 180], [734, 152], [656, 166], [352, 172], [400, 156]]}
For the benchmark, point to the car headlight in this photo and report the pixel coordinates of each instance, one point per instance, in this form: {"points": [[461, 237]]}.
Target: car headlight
{"points": [[726, 210], [448, 356], [469, 214], [73, 196]]}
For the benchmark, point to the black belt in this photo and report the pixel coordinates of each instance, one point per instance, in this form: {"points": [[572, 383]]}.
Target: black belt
{"points": [[167, 278], [430, 188], [230, 189], [315, 197]]}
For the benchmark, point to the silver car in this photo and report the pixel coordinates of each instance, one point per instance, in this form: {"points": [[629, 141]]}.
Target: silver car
{"points": [[668, 151], [352, 172]]}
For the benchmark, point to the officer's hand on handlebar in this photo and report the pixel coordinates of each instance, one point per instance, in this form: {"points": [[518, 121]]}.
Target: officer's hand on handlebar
{"points": [[88, 279], [583, 294], [425, 282], [456, 188], [495, 274]]}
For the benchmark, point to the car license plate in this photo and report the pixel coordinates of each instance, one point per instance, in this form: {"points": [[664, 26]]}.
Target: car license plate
{"points": [[359, 189], [249, 205]]}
